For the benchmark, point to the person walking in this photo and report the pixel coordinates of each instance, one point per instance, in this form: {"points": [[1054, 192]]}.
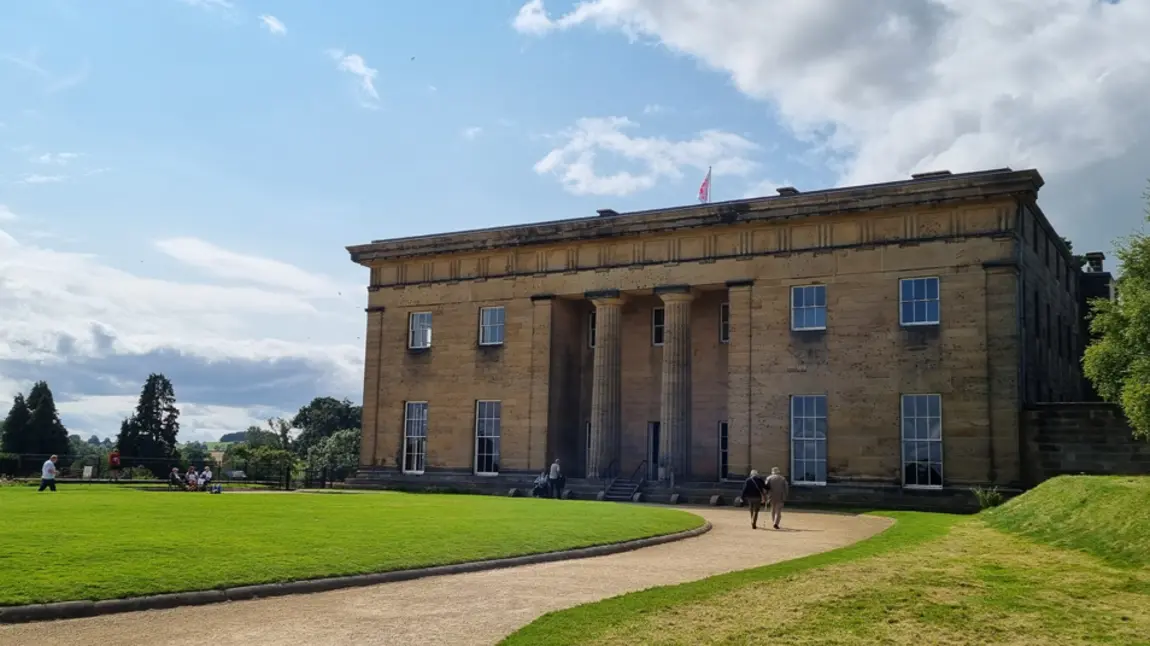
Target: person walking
{"points": [[555, 480], [48, 474], [755, 495], [777, 489]]}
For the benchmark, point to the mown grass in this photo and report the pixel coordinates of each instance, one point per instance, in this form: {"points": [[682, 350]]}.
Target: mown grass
{"points": [[88, 543], [930, 579]]}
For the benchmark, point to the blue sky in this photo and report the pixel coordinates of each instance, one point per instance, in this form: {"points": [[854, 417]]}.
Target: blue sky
{"points": [[178, 178]]}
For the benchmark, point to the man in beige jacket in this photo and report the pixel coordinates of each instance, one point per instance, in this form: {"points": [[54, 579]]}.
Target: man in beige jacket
{"points": [[777, 489]]}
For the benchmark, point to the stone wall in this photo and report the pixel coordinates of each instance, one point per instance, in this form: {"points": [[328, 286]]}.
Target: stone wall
{"points": [[1075, 438]]}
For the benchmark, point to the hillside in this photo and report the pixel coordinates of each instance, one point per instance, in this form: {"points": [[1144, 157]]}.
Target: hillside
{"points": [[1107, 516]]}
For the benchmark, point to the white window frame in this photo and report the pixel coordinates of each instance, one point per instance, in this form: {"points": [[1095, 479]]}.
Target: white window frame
{"points": [[481, 418], [424, 341], [799, 414], [725, 323], [497, 327], [661, 326], [411, 424], [937, 300], [812, 291], [917, 439], [724, 429]]}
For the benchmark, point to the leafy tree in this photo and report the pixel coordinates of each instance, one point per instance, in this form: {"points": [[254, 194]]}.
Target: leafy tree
{"points": [[256, 437], [152, 429], [338, 453], [322, 418], [238, 436], [195, 452], [94, 441], [1079, 260], [45, 430], [15, 438], [1117, 362], [281, 428]]}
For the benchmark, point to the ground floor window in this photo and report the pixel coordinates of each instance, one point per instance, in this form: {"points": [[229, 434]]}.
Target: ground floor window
{"points": [[809, 439], [488, 419], [922, 440], [414, 437], [724, 451]]}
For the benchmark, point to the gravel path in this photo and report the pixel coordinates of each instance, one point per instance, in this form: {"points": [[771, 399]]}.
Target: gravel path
{"points": [[475, 608]]}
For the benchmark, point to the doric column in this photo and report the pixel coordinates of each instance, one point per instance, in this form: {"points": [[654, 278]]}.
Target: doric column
{"points": [[606, 390], [675, 400], [739, 378], [369, 451]]}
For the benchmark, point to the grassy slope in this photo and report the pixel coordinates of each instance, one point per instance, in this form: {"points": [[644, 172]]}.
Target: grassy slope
{"points": [[1108, 517], [88, 543], [929, 579]]}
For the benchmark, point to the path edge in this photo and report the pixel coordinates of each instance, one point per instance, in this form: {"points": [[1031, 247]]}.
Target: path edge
{"points": [[79, 609]]}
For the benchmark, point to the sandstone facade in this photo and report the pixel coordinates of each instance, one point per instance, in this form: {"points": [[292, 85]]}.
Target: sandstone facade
{"points": [[887, 334]]}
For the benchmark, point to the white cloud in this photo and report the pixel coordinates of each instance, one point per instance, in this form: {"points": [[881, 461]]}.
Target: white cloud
{"points": [[883, 89], [765, 188], [273, 24], [238, 349], [653, 108], [472, 132], [6, 214], [58, 159], [576, 162], [36, 178], [211, 5], [355, 65]]}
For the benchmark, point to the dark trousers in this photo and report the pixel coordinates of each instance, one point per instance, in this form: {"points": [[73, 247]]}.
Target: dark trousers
{"points": [[755, 505], [47, 483], [556, 487]]}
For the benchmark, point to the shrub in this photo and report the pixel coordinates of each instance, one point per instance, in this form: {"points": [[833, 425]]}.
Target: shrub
{"points": [[988, 497]]}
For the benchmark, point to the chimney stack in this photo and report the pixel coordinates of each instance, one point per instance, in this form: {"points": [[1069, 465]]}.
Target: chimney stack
{"points": [[1094, 261]]}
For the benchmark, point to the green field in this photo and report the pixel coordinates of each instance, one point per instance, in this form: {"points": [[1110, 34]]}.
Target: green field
{"points": [[1067, 564], [102, 543]]}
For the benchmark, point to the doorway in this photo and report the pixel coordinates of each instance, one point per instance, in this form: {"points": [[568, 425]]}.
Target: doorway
{"points": [[652, 450]]}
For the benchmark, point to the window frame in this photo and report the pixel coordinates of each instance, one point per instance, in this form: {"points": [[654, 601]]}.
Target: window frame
{"points": [[496, 455], [724, 322], [903, 303], [501, 326], [659, 327], [804, 307], [724, 444], [407, 437], [793, 439], [411, 329], [903, 440]]}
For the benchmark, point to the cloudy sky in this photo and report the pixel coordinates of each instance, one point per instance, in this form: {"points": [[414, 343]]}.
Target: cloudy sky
{"points": [[178, 178]]}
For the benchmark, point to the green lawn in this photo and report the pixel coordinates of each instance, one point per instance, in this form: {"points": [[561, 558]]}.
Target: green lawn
{"points": [[1004, 577], [101, 543]]}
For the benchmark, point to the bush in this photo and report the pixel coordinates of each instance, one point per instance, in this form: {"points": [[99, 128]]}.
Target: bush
{"points": [[988, 497]]}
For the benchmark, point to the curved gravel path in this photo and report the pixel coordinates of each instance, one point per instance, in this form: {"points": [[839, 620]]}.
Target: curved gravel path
{"points": [[475, 608]]}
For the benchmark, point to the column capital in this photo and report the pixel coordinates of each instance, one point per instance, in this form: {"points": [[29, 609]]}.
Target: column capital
{"points": [[746, 282], [675, 293], [604, 297]]}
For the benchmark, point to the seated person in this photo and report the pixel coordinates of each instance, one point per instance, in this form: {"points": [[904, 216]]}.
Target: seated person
{"points": [[205, 478], [174, 479], [191, 478]]}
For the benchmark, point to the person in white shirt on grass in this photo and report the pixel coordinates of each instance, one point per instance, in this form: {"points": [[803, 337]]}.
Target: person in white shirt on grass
{"points": [[48, 474]]}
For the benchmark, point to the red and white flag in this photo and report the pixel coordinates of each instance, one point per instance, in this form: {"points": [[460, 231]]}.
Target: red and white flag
{"points": [[705, 188]]}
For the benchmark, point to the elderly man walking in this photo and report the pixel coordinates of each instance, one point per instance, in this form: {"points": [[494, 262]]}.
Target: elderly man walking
{"points": [[48, 474], [777, 489], [755, 495]]}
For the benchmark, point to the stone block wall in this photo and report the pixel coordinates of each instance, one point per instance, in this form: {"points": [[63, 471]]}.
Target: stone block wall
{"points": [[1080, 438]]}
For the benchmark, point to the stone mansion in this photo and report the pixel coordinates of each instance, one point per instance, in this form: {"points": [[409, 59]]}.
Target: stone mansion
{"points": [[884, 335]]}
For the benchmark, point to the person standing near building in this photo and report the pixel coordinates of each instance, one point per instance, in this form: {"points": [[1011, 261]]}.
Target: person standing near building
{"points": [[555, 480], [755, 495], [777, 489], [48, 474]]}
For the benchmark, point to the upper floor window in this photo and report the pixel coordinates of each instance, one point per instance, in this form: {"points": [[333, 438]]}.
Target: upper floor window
{"points": [[809, 307], [918, 301], [657, 319], [491, 326], [591, 330], [725, 323], [419, 330]]}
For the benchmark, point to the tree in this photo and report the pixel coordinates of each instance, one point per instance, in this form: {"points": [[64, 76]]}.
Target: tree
{"points": [[152, 429], [15, 438], [338, 453], [1117, 362], [281, 428], [256, 437], [238, 436], [196, 452], [46, 431], [322, 418], [1079, 261], [93, 440]]}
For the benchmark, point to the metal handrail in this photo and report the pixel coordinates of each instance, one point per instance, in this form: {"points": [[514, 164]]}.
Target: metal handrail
{"points": [[608, 473], [637, 476]]}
